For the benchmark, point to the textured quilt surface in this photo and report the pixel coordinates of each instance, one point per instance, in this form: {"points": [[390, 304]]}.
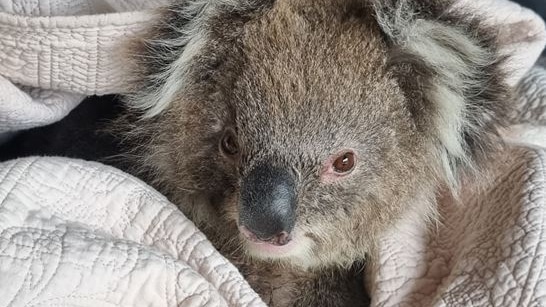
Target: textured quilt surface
{"points": [[489, 249], [75, 233]]}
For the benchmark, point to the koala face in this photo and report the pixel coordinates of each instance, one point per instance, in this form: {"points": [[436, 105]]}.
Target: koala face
{"points": [[308, 128]]}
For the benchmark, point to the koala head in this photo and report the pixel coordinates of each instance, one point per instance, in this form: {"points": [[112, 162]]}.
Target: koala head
{"points": [[302, 130]]}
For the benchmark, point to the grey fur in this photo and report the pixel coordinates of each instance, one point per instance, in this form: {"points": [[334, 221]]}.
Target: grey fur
{"points": [[302, 81]]}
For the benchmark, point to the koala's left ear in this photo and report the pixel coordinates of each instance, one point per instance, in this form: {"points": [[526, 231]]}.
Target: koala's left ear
{"points": [[520, 32], [455, 77]]}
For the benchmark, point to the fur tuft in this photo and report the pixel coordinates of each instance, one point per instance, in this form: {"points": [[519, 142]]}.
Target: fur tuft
{"points": [[163, 59], [462, 84]]}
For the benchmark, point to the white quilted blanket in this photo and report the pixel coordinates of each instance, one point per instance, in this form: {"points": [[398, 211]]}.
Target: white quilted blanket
{"points": [[74, 233], [488, 250]]}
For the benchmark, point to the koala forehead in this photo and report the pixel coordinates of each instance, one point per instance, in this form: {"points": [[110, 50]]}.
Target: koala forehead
{"points": [[317, 75], [313, 75]]}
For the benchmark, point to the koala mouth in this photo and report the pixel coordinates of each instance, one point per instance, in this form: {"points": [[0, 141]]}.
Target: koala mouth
{"points": [[277, 246], [279, 239]]}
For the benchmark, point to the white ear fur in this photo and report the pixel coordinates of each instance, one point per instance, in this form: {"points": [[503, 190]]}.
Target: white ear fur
{"points": [[189, 41], [456, 59]]}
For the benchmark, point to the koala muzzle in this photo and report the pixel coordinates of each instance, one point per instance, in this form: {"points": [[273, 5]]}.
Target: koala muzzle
{"points": [[267, 207]]}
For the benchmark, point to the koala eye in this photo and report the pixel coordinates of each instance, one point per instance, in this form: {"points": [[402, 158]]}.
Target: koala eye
{"points": [[228, 144], [344, 163]]}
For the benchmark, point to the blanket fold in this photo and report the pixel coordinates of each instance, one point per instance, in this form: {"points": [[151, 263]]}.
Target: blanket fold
{"points": [[81, 233], [75, 54]]}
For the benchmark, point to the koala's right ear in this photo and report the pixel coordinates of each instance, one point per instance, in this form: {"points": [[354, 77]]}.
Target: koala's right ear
{"points": [[450, 68], [162, 58]]}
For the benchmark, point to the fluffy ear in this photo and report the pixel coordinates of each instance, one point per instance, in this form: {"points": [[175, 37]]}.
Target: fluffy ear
{"points": [[450, 69], [160, 57], [163, 58]]}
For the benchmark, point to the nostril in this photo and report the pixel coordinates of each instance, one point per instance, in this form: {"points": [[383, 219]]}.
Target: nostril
{"points": [[281, 239]]}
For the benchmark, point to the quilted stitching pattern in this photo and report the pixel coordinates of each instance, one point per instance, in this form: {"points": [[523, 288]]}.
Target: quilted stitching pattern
{"points": [[76, 54], [487, 250], [61, 59], [81, 233], [531, 106]]}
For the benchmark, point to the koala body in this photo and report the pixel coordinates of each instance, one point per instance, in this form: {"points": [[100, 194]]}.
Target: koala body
{"points": [[294, 133]]}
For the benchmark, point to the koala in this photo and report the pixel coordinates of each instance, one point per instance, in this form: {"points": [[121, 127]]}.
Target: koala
{"points": [[295, 133]]}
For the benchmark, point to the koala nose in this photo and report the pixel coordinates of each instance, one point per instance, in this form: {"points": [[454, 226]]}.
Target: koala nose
{"points": [[267, 207]]}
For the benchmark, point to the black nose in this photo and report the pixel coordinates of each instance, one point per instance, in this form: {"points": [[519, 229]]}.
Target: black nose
{"points": [[267, 208]]}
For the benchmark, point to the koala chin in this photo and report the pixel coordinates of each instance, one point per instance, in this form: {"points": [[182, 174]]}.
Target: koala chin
{"points": [[295, 133]]}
